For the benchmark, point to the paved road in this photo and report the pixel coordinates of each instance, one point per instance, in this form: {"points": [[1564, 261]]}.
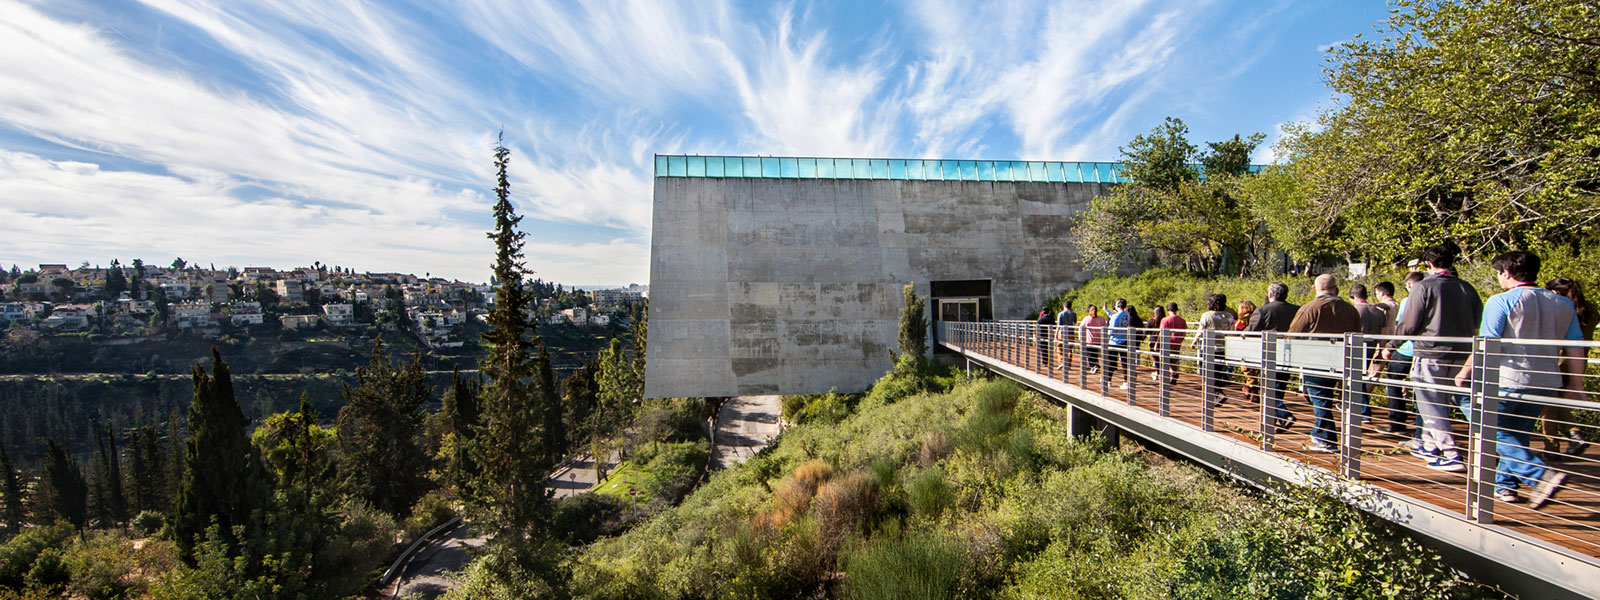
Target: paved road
{"points": [[745, 425], [577, 478], [428, 574]]}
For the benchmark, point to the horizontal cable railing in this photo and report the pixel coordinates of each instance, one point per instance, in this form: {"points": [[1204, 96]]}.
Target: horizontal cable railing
{"points": [[1483, 427]]}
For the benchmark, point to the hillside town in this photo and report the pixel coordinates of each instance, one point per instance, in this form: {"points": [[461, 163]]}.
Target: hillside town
{"points": [[140, 300]]}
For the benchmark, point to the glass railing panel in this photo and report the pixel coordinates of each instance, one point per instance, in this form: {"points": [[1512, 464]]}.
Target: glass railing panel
{"points": [[897, 169], [806, 168], [714, 166], [789, 168], [969, 170], [1000, 171], [825, 168], [675, 166], [661, 166], [880, 168], [915, 170], [697, 166], [1037, 172]]}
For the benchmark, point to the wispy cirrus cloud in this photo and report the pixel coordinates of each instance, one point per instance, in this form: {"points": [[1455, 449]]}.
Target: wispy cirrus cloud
{"points": [[304, 130]]}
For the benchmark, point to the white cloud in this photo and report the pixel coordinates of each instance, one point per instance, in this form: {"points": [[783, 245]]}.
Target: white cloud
{"points": [[62, 211]]}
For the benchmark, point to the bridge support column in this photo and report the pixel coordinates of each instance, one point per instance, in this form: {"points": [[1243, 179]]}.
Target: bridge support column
{"points": [[1080, 423]]}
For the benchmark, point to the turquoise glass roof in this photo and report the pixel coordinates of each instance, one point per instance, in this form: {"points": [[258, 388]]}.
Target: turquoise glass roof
{"points": [[911, 169]]}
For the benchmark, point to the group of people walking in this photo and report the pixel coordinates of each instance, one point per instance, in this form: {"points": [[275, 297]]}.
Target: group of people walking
{"points": [[1438, 305]]}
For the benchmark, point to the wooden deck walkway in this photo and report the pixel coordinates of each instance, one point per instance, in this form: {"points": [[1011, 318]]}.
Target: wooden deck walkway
{"points": [[1573, 522]]}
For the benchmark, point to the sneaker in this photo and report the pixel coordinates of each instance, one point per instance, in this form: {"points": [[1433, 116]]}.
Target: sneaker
{"points": [[1446, 463], [1123, 386], [1156, 378], [1420, 450], [1320, 446], [1093, 370], [1548, 484], [1507, 496], [1284, 424], [1576, 444]]}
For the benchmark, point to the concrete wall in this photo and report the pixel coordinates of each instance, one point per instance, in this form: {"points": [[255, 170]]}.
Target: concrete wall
{"points": [[775, 286]]}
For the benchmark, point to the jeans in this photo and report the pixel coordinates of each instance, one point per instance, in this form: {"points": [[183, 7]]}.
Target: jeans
{"points": [[1435, 405], [1322, 391], [1398, 368], [1279, 382], [1518, 465]]}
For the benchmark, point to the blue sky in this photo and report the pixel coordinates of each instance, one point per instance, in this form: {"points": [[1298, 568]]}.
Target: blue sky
{"points": [[281, 132]]}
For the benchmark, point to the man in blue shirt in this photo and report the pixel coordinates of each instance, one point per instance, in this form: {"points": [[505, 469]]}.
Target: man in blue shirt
{"points": [[1117, 339], [1527, 311]]}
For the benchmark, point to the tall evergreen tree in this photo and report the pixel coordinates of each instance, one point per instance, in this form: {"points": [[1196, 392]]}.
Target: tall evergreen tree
{"points": [[110, 501], [461, 418], [148, 471], [67, 491], [223, 482], [380, 428], [509, 497], [580, 397], [11, 495], [913, 324], [555, 430]]}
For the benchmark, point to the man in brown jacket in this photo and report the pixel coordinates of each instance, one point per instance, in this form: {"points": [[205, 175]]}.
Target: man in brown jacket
{"points": [[1326, 314]]}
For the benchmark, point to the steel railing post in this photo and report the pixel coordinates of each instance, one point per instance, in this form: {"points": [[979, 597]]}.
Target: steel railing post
{"points": [[1269, 386], [1130, 363], [1484, 421], [1083, 360], [1105, 354], [1350, 436], [1207, 386], [1163, 386]]}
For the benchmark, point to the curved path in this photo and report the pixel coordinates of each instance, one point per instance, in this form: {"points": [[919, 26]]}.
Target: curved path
{"points": [[745, 426], [427, 576]]}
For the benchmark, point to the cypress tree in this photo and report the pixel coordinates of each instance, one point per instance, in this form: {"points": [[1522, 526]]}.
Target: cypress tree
{"points": [[110, 502], [11, 503], [555, 431], [222, 479], [147, 471], [379, 429], [461, 417], [509, 498], [67, 491], [913, 324]]}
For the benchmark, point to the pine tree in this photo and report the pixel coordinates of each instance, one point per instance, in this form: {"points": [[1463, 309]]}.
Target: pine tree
{"points": [[379, 430], [12, 495], [580, 397], [461, 417], [509, 498], [223, 482], [67, 491]]}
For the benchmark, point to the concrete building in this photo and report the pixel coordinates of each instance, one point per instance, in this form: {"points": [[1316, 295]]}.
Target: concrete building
{"points": [[784, 275], [299, 321], [339, 314], [192, 314], [290, 291], [246, 313]]}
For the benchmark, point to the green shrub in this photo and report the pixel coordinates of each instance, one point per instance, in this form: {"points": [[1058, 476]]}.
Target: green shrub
{"points": [[928, 493], [674, 467], [919, 565], [583, 518], [100, 567], [147, 523], [17, 555], [826, 408], [48, 572], [429, 512]]}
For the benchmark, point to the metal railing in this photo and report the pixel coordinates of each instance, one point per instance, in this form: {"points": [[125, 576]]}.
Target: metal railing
{"points": [[1469, 424]]}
